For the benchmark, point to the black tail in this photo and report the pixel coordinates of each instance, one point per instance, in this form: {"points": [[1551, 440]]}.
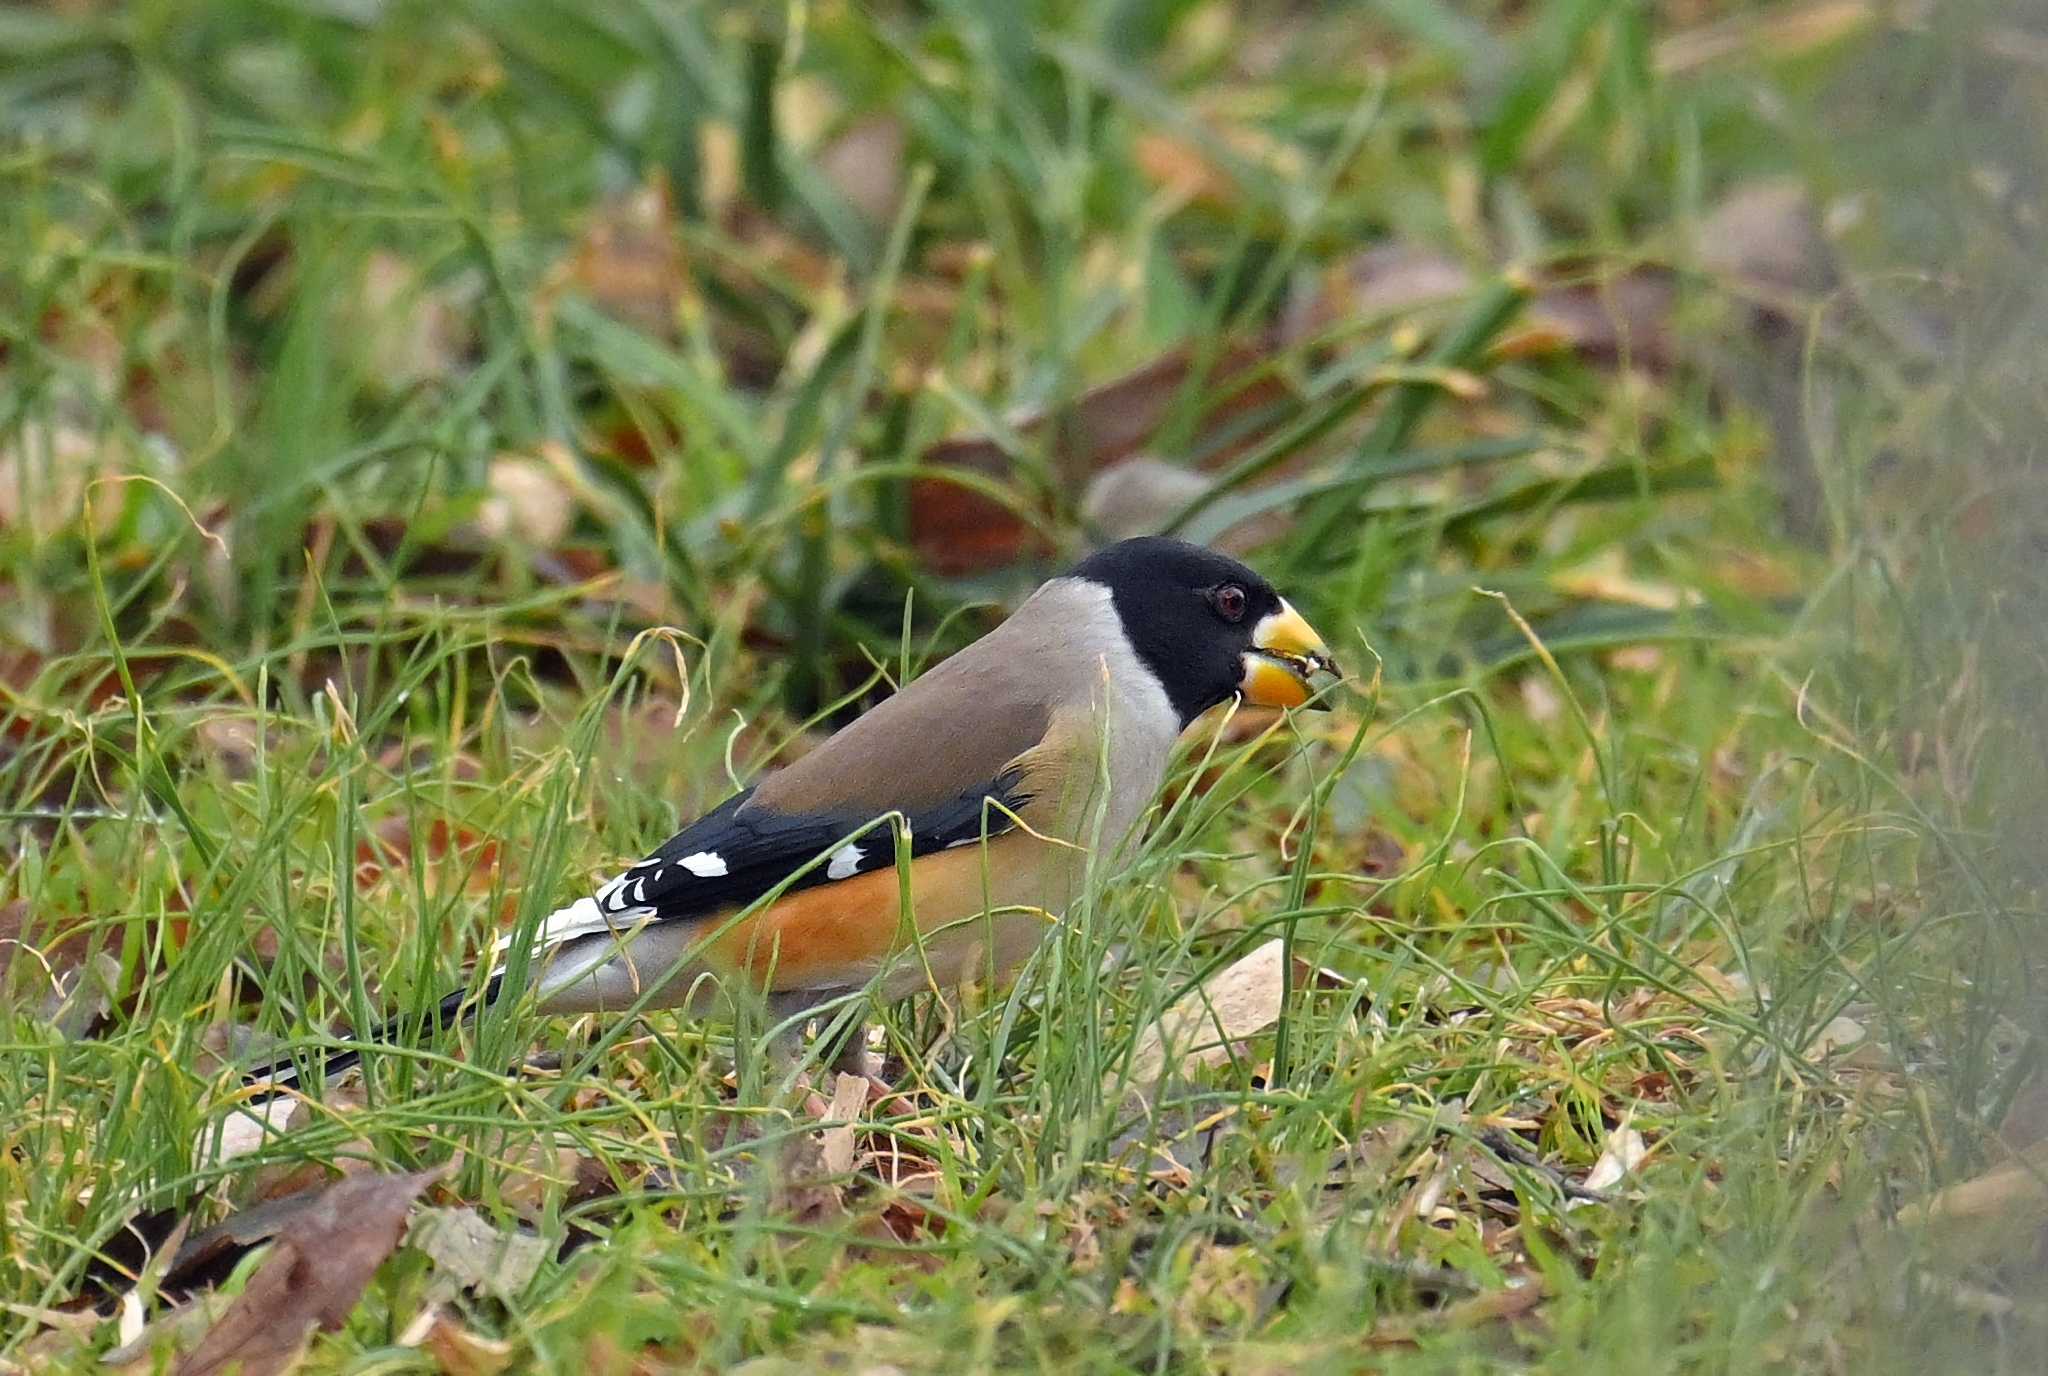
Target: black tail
{"points": [[452, 1009]]}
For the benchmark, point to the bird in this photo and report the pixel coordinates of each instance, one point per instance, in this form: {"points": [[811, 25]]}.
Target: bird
{"points": [[1007, 773]]}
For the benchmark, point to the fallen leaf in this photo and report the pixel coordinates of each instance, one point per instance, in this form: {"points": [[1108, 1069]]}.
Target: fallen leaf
{"points": [[405, 328], [1388, 280], [527, 503], [459, 1352], [905, 1218], [477, 1256], [246, 1128], [1138, 496], [1610, 318], [1624, 1151], [1765, 238], [864, 164], [210, 1255], [1238, 1001], [1841, 1031], [321, 1263], [536, 1169], [1623, 319], [629, 260], [2014, 1196], [956, 530], [836, 1143], [1182, 170], [293, 1177]]}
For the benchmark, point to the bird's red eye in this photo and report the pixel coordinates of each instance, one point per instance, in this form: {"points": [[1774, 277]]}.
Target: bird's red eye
{"points": [[1230, 602]]}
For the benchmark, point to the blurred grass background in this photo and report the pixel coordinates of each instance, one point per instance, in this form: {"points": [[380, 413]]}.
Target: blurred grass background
{"points": [[443, 447]]}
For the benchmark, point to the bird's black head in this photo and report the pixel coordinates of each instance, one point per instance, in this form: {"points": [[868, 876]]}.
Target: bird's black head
{"points": [[1206, 626]]}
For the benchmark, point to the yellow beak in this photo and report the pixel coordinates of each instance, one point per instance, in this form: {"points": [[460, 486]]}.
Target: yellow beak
{"points": [[1286, 655]]}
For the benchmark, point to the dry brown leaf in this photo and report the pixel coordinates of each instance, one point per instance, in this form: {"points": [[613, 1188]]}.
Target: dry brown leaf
{"points": [[535, 1168], [1183, 170], [864, 164], [1139, 495], [475, 1255], [321, 1263], [836, 1144], [459, 1352], [1765, 237], [287, 1179], [406, 329], [629, 262], [1623, 320], [956, 530], [1190, 171], [2015, 1197], [1238, 1001], [209, 1255], [1388, 280], [1623, 317]]}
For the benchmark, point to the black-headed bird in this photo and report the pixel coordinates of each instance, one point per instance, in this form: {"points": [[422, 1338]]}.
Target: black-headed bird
{"points": [[1005, 773]]}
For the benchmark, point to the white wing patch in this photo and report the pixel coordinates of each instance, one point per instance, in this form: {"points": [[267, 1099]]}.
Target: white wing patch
{"points": [[704, 864], [845, 862], [584, 917]]}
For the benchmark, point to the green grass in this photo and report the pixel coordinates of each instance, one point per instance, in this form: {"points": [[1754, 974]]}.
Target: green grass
{"points": [[458, 348]]}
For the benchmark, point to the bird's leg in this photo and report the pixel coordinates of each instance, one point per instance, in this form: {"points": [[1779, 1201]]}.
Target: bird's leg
{"points": [[843, 1047], [784, 1015], [851, 1055]]}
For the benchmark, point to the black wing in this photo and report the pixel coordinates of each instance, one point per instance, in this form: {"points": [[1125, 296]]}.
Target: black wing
{"points": [[736, 853], [725, 859]]}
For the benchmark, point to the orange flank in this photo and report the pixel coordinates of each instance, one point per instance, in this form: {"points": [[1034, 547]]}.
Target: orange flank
{"points": [[843, 932]]}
